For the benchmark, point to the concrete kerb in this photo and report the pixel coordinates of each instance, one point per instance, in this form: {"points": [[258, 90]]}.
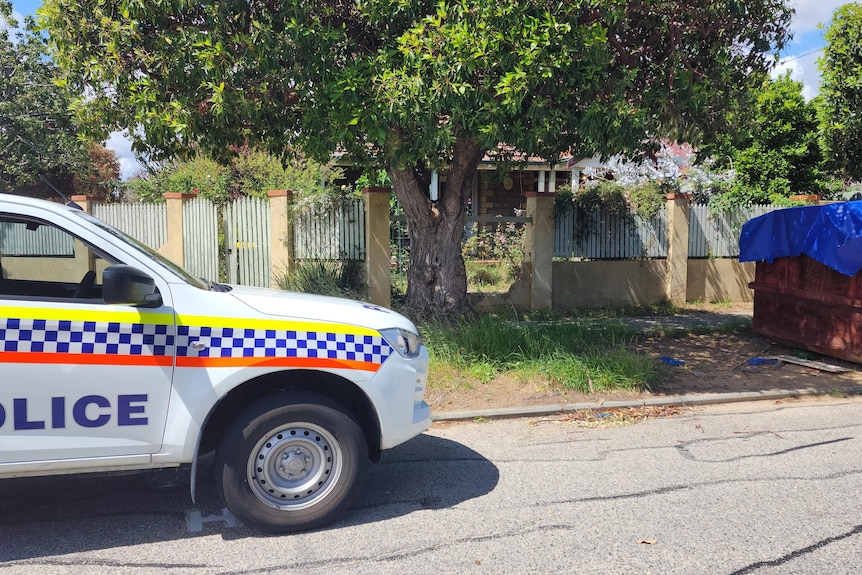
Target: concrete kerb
{"points": [[678, 400]]}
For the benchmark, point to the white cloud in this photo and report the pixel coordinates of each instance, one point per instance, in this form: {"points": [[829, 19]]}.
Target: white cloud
{"points": [[802, 70], [808, 24], [811, 13], [122, 147], [4, 25]]}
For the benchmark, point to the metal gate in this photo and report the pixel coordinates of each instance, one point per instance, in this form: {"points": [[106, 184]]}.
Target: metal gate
{"points": [[200, 239], [247, 241]]}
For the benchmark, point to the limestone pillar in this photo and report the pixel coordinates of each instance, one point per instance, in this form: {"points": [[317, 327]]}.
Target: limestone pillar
{"points": [[86, 202], [679, 212], [281, 235], [174, 247], [539, 249], [377, 251]]}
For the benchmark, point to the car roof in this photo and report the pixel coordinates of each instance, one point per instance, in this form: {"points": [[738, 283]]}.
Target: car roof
{"points": [[34, 202]]}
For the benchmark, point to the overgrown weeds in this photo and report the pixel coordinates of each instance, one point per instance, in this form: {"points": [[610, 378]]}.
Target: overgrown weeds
{"points": [[577, 355]]}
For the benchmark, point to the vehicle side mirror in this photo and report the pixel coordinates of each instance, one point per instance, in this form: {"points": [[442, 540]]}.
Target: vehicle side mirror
{"points": [[126, 285]]}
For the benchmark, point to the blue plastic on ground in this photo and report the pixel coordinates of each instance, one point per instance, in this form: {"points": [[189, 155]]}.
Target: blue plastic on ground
{"points": [[762, 361], [830, 234], [671, 361]]}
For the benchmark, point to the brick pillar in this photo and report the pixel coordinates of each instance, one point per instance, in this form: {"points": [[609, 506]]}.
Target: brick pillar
{"points": [[679, 212], [377, 250], [539, 249], [85, 259], [281, 235], [86, 202], [810, 199], [174, 247]]}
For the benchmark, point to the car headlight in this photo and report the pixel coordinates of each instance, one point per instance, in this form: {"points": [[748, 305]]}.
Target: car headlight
{"points": [[405, 341]]}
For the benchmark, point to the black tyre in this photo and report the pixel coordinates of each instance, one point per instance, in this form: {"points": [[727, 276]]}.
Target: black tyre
{"points": [[291, 462]]}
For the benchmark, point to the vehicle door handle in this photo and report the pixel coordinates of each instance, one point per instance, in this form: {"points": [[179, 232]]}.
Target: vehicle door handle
{"points": [[198, 345]]}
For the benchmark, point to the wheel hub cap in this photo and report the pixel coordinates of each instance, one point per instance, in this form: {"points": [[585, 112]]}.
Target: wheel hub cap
{"points": [[295, 466]]}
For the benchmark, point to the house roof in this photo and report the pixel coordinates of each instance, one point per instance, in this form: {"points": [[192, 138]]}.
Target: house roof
{"points": [[490, 159], [530, 163]]}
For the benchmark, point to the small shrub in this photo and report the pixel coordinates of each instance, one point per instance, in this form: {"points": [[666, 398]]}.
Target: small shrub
{"points": [[484, 274], [337, 278], [505, 244]]}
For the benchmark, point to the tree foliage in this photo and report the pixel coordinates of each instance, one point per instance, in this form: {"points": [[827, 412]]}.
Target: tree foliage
{"points": [[775, 152], [37, 132], [101, 177], [413, 85], [198, 176], [841, 91], [250, 173]]}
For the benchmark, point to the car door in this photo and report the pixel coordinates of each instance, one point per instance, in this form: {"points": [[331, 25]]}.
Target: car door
{"points": [[79, 379]]}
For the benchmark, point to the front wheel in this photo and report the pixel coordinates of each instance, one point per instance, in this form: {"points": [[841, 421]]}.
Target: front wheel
{"points": [[291, 462]]}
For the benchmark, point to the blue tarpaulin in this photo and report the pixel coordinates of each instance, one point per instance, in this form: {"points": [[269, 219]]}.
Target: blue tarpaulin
{"points": [[830, 234]]}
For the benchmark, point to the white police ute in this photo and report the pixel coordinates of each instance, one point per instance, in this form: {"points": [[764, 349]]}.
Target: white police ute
{"points": [[112, 358]]}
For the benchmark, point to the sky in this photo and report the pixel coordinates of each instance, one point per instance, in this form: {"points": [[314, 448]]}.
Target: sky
{"points": [[800, 57]]}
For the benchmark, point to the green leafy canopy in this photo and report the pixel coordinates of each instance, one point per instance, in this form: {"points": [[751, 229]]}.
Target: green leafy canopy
{"points": [[413, 85], [37, 132], [375, 75], [841, 90]]}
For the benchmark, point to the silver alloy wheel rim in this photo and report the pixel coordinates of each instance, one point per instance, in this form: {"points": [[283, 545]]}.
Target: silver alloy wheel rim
{"points": [[295, 466]]}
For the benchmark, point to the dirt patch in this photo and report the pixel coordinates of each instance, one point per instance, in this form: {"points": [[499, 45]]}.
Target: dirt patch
{"points": [[712, 364]]}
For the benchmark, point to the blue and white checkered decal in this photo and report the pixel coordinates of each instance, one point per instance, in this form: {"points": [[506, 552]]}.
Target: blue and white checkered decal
{"points": [[122, 338], [226, 342], [87, 337]]}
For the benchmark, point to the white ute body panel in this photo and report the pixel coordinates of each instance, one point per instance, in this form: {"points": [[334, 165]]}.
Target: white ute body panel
{"points": [[88, 386]]}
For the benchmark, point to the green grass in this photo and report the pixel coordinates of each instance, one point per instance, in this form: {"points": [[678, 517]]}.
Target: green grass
{"points": [[488, 277], [583, 356]]}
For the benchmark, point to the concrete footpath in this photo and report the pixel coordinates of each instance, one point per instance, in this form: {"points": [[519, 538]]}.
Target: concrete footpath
{"points": [[694, 320]]}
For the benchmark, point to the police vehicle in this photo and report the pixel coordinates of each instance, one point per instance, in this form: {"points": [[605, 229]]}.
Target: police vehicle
{"points": [[112, 358]]}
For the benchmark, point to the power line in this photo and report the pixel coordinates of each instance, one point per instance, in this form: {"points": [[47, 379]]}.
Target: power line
{"points": [[786, 60]]}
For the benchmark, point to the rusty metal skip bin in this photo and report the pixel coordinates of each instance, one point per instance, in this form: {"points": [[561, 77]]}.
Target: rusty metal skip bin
{"points": [[807, 286]]}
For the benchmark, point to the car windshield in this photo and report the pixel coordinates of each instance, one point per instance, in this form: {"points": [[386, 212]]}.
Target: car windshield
{"points": [[152, 254]]}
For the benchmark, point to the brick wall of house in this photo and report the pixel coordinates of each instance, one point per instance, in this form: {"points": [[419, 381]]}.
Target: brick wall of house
{"points": [[494, 197]]}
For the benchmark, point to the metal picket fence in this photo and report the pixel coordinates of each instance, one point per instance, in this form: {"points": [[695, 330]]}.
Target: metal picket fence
{"points": [[330, 232], [232, 242], [609, 236], [716, 233], [201, 239], [147, 223], [712, 233], [18, 239]]}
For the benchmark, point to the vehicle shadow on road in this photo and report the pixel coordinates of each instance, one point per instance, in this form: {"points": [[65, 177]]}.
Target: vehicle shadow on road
{"points": [[42, 518], [425, 473]]}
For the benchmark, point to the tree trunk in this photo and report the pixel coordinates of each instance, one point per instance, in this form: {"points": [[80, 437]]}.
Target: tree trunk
{"points": [[436, 276]]}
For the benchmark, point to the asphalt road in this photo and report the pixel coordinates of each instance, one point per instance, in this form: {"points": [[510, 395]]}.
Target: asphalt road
{"points": [[761, 488]]}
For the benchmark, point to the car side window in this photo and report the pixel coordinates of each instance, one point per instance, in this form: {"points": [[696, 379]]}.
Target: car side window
{"points": [[39, 260]]}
